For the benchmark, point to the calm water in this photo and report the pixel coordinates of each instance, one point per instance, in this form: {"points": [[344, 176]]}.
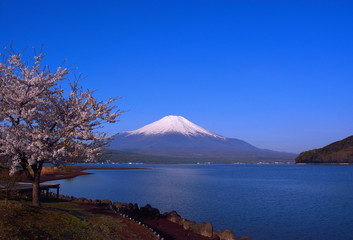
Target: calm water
{"points": [[266, 202]]}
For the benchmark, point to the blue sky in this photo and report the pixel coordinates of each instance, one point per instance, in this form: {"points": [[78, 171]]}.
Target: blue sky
{"points": [[277, 74]]}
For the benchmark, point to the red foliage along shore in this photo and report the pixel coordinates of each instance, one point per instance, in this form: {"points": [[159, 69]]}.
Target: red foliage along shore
{"points": [[74, 171]]}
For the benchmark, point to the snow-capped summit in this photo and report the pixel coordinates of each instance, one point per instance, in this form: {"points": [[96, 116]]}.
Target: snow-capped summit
{"points": [[177, 137], [173, 124]]}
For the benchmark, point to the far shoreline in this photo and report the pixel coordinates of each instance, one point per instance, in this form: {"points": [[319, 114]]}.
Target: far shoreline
{"points": [[76, 171], [323, 163]]}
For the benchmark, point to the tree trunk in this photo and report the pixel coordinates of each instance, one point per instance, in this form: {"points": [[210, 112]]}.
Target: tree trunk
{"points": [[37, 169], [36, 191]]}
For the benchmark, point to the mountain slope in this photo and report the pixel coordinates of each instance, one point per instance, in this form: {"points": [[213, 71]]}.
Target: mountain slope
{"points": [[175, 136], [337, 152]]}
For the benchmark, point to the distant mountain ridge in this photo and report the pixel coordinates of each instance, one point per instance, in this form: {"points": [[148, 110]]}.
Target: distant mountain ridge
{"points": [[177, 137], [334, 153]]}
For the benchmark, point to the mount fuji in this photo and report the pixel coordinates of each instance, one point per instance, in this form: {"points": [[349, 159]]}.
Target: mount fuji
{"points": [[177, 138]]}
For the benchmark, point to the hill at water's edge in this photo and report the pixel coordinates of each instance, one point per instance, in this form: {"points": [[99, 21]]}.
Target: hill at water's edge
{"points": [[335, 153]]}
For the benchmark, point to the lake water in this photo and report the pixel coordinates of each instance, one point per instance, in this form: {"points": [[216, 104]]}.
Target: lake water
{"points": [[264, 202]]}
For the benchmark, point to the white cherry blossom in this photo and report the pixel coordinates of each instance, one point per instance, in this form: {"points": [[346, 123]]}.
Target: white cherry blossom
{"points": [[40, 123]]}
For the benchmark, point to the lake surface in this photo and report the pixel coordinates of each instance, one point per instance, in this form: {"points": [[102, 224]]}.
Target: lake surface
{"points": [[264, 202]]}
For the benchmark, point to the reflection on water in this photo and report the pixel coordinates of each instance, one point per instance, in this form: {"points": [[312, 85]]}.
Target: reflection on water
{"points": [[261, 201]]}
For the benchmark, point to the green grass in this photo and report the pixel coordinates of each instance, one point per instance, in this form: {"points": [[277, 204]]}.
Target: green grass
{"points": [[59, 220], [20, 221]]}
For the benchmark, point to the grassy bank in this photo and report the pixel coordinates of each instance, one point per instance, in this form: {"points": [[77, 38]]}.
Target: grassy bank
{"points": [[65, 220]]}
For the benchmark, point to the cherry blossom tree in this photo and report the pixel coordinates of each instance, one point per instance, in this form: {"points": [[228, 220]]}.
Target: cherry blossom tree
{"points": [[41, 123]]}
